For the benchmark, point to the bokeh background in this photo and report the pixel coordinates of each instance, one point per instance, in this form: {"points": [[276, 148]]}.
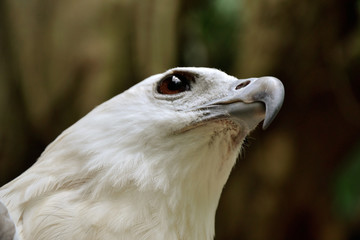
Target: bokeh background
{"points": [[300, 179]]}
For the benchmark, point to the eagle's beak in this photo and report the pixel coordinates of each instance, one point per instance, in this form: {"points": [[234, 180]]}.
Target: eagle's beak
{"points": [[247, 97], [267, 90]]}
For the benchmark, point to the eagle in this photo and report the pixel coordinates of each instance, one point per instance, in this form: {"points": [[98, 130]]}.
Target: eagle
{"points": [[150, 163]]}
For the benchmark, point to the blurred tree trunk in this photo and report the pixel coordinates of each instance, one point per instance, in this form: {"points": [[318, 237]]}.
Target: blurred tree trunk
{"points": [[283, 189]]}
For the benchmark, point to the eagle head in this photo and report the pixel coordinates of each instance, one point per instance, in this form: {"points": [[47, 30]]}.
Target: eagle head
{"points": [[149, 163]]}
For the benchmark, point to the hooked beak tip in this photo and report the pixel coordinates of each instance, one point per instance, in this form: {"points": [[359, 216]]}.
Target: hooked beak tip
{"points": [[273, 98]]}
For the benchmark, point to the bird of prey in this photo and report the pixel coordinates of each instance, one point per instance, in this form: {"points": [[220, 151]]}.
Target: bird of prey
{"points": [[149, 163]]}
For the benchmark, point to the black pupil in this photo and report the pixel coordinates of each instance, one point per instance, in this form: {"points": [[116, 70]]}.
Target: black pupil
{"points": [[177, 85]]}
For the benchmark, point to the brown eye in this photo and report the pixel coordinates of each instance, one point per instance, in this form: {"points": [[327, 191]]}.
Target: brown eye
{"points": [[173, 84]]}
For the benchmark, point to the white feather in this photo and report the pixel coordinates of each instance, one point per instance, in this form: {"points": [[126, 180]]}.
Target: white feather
{"points": [[128, 170]]}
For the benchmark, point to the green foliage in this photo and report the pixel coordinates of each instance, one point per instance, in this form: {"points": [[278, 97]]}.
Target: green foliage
{"points": [[347, 186]]}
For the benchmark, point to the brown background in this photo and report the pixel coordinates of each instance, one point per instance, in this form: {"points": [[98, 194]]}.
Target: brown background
{"points": [[297, 180]]}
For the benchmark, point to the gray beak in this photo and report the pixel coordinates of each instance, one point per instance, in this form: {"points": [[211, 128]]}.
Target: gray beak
{"points": [[248, 97], [268, 90]]}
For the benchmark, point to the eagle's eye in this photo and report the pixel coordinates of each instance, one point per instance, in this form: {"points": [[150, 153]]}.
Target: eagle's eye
{"points": [[174, 83]]}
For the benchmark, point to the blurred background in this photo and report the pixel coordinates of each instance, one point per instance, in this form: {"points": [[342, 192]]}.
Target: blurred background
{"points": [[300, 179]]}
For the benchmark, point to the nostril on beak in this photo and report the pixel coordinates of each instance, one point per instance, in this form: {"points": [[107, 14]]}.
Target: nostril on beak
{"points": [[243, 84]]}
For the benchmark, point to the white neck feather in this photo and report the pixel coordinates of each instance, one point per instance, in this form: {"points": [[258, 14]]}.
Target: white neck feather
{"points": [[165, 190], [181, 199]]}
